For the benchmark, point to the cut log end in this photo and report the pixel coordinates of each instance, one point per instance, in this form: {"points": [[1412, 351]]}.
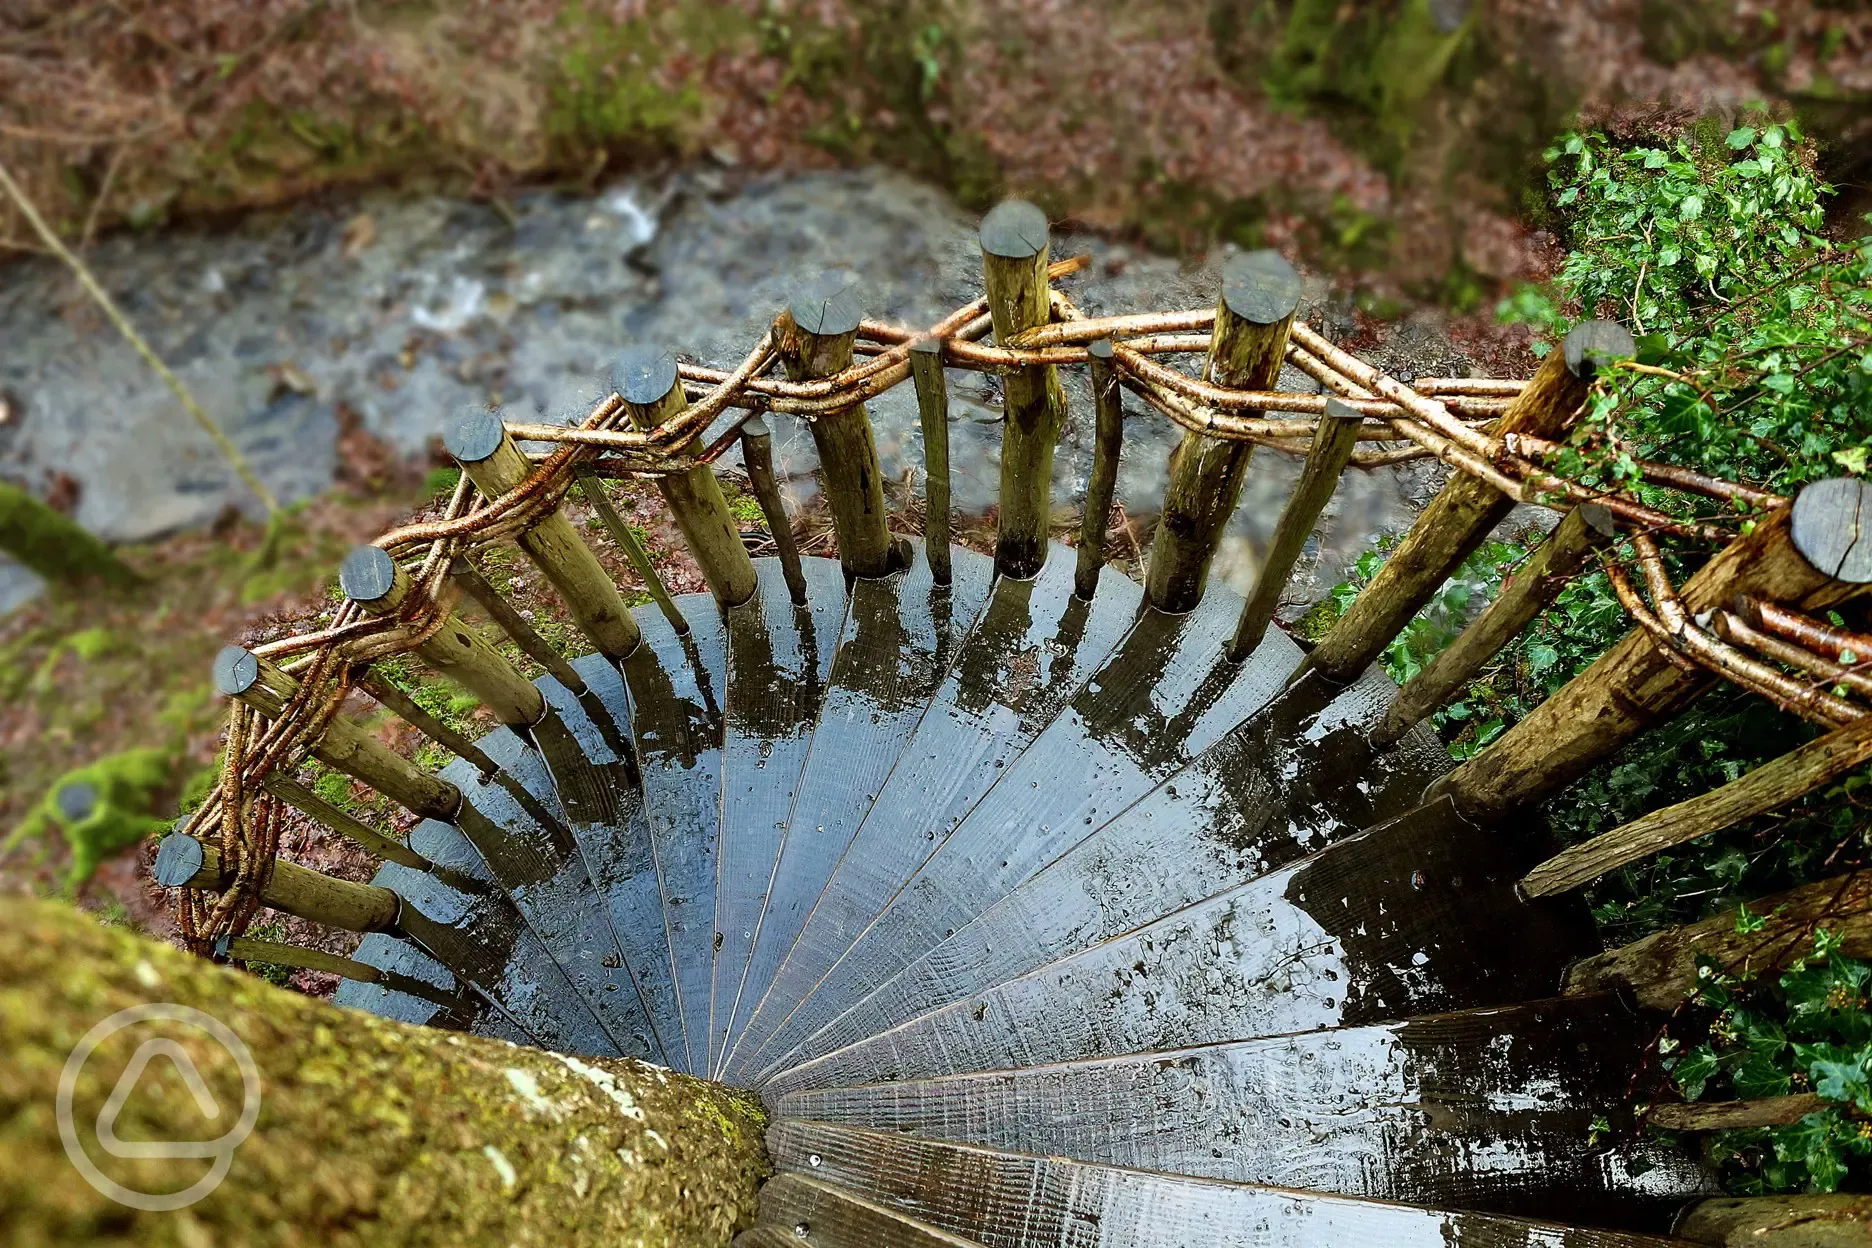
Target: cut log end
{"points": [[474, 435], [644, 374], [1260, 287], [1594, 345], [1014, 230], [828, 303]]}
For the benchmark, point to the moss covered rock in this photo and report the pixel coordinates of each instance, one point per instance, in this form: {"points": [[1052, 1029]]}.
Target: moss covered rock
{"points": [[369, 1132]]}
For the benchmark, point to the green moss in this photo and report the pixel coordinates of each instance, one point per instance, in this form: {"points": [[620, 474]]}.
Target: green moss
{"points": [[100, 809], [53, 545], [1316, 623]]}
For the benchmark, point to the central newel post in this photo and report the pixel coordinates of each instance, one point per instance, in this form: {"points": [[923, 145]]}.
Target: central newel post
{"points": [[1014, 245], [645, 378], [1260, 292], [814, 339], [1461, 515]]}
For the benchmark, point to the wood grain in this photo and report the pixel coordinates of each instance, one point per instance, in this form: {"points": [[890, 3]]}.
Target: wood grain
{"points": [[1034, 647], [779, 658], [901, 635]]}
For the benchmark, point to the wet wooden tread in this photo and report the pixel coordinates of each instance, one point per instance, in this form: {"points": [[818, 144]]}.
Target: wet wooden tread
{"points": [[1011, 1200], [1036, 920], [1482, 1109]]}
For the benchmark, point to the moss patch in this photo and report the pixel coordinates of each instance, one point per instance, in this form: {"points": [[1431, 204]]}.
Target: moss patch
{"points": [[369, 1132]]}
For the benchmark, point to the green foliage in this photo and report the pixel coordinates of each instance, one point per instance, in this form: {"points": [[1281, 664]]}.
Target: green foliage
{"points": [[100, 808], [1710, 249], [1807, 1031], [1769, 327]]}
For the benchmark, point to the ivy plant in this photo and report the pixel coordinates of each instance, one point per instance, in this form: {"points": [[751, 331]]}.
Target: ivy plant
{"points": [[1805, 1031]]}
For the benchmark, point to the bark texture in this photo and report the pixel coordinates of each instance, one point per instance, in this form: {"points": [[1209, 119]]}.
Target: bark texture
{"points": [[369, 1132]]}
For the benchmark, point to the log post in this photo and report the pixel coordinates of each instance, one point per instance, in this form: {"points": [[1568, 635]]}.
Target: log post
{"points": [[184, 862], [313, 806], [814, 338], [1767, 1111], [479, 442], [1816, 1220], [344, 745], [1803, 555], [1772, 785], [1260, 293], [592, 486], [1661, 969], [645, 378], [1524, 595], [511, 622], [406, 708], [932, 392], [1108, 443], [365, 1130], [1014, 245], [247, 949], [1461, 515], [1326, 459], [757, 455], [371, 578]]}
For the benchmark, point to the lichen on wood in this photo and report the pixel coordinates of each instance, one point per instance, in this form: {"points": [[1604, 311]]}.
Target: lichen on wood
{"points": [[370, 1132]]}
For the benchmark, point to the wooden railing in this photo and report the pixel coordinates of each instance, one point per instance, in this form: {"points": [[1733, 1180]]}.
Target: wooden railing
{"points": [[1747, 616]]}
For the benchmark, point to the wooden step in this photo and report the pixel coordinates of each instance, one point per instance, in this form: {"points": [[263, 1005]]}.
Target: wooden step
{"points": [[779, 658], [1406, 919], [1166, 693], [819, 1215], [1485, 1109], [538, 864], [676, 684], [1294, 778], [1013, 1200], [901, 635], [419, 990], [475, 931], [620, 855], [1034, 647]]}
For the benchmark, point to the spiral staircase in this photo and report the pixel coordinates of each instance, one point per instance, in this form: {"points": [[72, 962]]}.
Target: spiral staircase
{"points": [[1036, 919]]}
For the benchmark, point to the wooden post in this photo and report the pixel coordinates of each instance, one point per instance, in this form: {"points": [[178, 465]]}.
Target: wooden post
{"points": [[645, 378], [406, 708], [1461, 515], [1661, 969], [1634, 685], [591, 485], [511, 622], [1326, 459], [480, 443], [1108, 443], [183, 861], [371, 578], [757, 455], [1819, 1220], [1524, 595], [932, 392], [814, 338], [1774, 784], [388, 849], [345, 746], [1260, 292], [1014, 246], [1766, 1111]]}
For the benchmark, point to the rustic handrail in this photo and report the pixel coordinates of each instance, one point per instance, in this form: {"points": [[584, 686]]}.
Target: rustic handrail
{"points": [[1479, 427]]}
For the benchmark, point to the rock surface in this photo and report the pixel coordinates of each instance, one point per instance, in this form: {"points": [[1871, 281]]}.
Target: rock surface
{"points": [[397, 313]]}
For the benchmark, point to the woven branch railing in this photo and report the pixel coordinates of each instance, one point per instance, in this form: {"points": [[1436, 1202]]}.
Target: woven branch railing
{"points": [[1746, 617]]}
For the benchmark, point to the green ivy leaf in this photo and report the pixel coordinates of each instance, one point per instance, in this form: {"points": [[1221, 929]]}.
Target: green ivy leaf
{"points": [[1741, 137]]}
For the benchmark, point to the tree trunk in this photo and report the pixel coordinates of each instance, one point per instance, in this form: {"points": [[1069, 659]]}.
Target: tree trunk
{"points": [[1834, 1220], [369, 1132]]}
